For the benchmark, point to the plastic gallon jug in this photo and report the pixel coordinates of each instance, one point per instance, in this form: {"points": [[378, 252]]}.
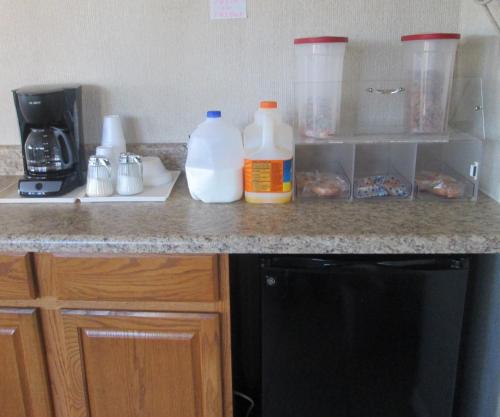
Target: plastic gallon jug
{"points": [[268, 168], [283, 133], [214, 165]]}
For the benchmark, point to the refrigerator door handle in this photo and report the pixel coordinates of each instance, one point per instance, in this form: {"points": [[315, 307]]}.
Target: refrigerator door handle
{"points": [[416, 264]]}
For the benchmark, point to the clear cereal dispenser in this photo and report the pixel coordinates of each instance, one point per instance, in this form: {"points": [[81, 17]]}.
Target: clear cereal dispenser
{"points": [[319, 64], [430, 60]]}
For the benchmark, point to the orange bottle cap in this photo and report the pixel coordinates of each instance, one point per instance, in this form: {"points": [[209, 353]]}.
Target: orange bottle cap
{"points": [[268, 105]]}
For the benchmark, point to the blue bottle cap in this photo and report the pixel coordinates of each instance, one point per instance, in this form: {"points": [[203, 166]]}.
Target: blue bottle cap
{"points": [[214, 114]]}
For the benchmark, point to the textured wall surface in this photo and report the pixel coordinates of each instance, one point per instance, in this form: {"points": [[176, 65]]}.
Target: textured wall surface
{"points": [[479, 56], [162, 63]]}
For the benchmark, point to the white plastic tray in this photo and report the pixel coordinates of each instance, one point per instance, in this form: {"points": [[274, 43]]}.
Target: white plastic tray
{"points": [[150, 194], [10, 195]]}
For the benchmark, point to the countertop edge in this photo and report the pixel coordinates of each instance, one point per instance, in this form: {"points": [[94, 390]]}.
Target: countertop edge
{"points": [[348, 244]]}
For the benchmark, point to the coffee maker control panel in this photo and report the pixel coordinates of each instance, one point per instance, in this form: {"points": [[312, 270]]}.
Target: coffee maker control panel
{"points": [[34, 188]]}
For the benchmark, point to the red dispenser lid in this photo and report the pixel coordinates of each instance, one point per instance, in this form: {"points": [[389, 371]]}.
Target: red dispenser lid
{"points": [[321, 39], [430, 36]]}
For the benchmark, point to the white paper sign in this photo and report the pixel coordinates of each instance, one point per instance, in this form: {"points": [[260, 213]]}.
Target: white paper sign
{"points": [[228, 9]]}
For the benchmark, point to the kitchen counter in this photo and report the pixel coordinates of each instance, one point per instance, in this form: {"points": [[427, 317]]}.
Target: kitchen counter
{"points": [[183, 225]]}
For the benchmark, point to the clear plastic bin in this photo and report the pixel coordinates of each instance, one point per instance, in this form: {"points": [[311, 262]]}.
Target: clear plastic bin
{"points": [[430, 60], [384, 170], [319, 64], [324, 171], [449, 171], [380, 107]]}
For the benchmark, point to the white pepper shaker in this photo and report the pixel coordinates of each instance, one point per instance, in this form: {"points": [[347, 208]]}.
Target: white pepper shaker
{"points": [[99, 177], [112, 155], [129, 180]]}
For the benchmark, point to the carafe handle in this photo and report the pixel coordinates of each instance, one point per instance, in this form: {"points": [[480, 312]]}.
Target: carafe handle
{"points": [[71, 159]]}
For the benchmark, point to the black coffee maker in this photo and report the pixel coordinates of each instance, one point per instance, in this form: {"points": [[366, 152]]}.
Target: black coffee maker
{"points": [[50, 122]]}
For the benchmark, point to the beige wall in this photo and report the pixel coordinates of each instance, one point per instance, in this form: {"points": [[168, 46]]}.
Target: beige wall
{"points": [[162, 63], [479, 55]]}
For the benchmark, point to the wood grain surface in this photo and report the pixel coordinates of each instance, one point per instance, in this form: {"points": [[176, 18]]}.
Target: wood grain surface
{"points": [[130, 330], [24, 384], [132, 364], [144, 278], [55, 346], [16, 277], [225, 313]]}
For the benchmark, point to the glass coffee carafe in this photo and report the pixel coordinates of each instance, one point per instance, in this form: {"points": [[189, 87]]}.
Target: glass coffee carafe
{"points": [[48, 150]]}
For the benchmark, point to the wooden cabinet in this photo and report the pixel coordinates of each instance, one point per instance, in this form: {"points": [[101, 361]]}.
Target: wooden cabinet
{"points": [[132, 364], [24, 385], [16, 279], [128, 336], [137, 278]]}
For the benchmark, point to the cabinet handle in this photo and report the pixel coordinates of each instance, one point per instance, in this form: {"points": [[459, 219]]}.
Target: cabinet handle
{"points": [[385, 91]]}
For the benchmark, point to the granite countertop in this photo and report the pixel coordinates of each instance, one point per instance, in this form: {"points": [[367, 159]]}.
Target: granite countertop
{"points": [[182, 225]]}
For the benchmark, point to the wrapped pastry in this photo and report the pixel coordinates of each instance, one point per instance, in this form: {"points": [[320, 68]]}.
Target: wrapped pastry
{"points": [[326, 185], [440, 184], [381, 186], [370, 187]]}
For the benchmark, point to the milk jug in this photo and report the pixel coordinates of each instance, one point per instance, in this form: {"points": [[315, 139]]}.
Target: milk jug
{"points": [[268, 163], [214, 165]]}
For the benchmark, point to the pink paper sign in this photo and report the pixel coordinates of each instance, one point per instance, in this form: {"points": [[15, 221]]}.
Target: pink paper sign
{"points": [[228, 9]]}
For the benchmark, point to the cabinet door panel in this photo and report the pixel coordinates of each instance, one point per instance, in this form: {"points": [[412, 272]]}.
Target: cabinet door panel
{"points": [[16, 277], [136, 278], [24, 386], [11, 385], [143, 364]]}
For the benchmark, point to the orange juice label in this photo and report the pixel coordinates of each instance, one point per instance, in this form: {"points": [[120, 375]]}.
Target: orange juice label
{"points": [[268, 176]]}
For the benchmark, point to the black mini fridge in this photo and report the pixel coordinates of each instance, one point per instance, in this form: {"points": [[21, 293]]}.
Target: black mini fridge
{"points": [[348, 336]]}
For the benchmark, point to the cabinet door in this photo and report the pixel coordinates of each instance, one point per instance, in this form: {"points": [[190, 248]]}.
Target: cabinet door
{"points": [[16, 277], [24, 386], [134, 364], [136, 278]]}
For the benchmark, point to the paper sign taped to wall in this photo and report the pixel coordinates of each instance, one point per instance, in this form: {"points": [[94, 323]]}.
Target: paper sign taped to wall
{"points": [[228, 9]]}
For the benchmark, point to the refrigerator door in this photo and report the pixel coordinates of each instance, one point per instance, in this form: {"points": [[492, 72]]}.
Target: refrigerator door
{"points": [[361, 339]]}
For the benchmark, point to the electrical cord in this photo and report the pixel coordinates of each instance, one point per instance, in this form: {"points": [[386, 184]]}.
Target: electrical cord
{"points": [[486, 6], [247, 398]]}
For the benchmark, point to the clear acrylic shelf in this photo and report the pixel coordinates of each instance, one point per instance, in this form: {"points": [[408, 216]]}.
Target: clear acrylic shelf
{"points": [[374, 138], [450, 135], [368, 117], [372, 148]]}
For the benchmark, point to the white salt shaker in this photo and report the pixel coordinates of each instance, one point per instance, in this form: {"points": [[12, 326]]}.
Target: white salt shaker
{"points": [[112, 156], [129, 180], [99, 177]]}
